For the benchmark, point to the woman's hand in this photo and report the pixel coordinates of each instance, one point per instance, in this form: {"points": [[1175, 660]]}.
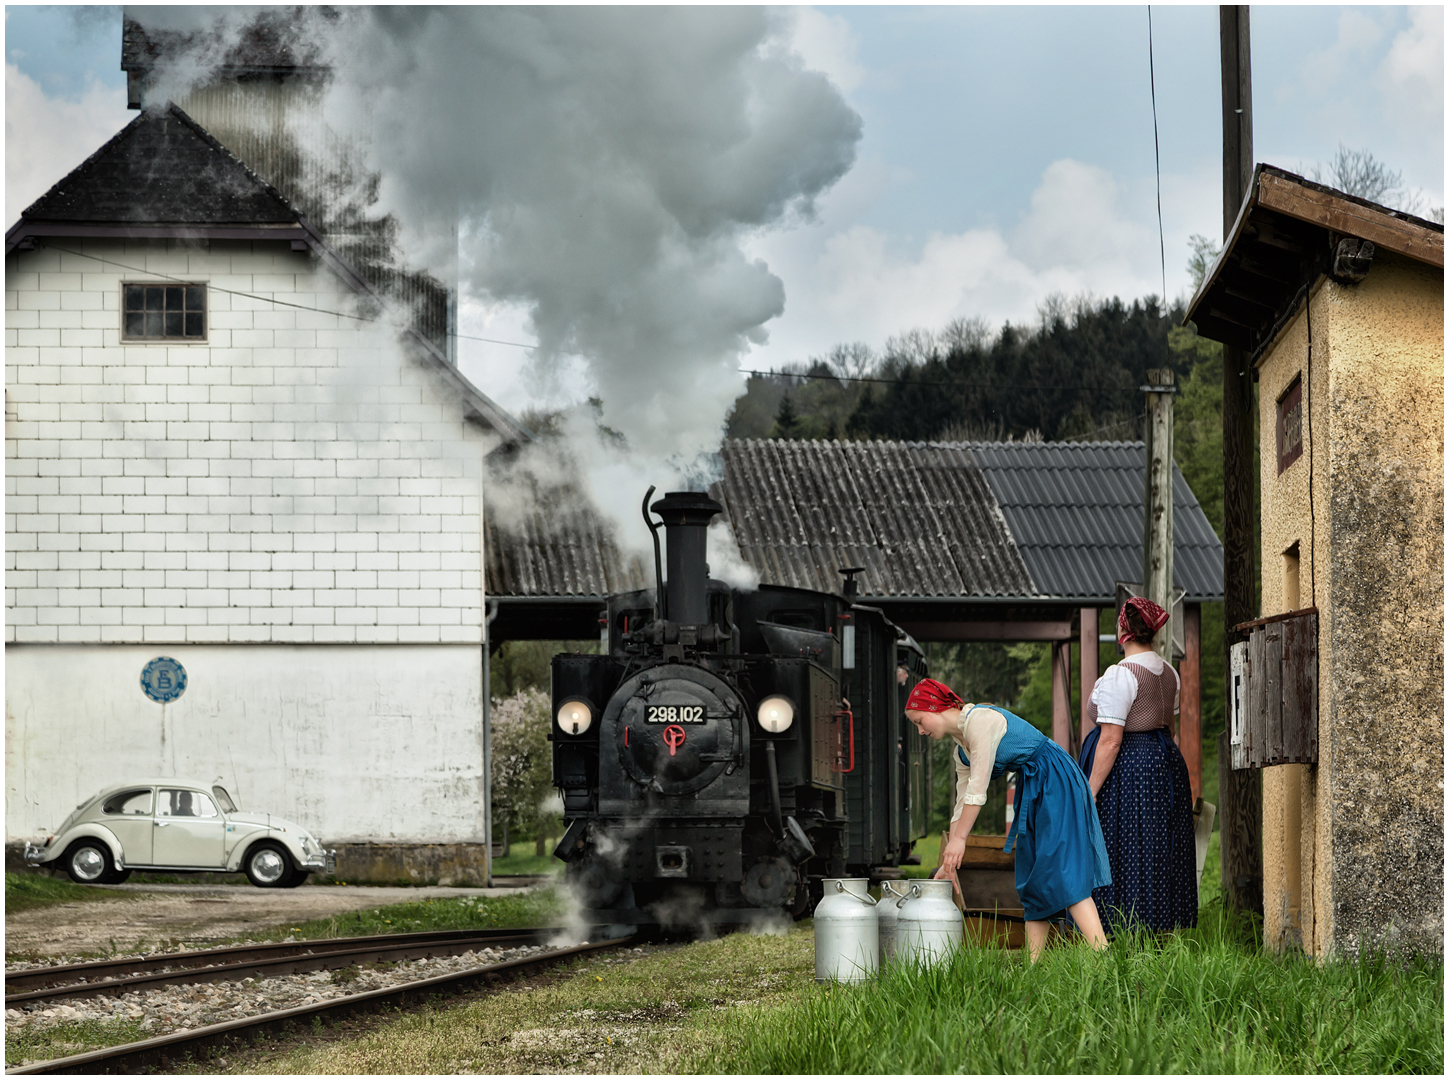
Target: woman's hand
{"points": [[951, 856]]}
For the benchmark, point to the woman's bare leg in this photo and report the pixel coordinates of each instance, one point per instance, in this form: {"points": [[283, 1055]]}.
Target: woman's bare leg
{"points": [[1084, 913], [1036, 935]]}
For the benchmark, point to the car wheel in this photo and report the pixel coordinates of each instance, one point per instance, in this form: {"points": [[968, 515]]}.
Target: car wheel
{"points": [[118, 877], [87, 862], [268, 866], [299, 877]]}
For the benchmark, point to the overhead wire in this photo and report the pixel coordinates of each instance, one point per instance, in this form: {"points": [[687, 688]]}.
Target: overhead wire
{"points": [[950, 384], [1157, 155]]}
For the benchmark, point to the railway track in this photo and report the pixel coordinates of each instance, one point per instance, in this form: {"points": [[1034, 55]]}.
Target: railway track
{"points": [[113, 977], [192, 1045]]}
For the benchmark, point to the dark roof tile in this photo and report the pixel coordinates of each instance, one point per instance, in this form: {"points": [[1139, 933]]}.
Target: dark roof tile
{"points": [[162, 169]]}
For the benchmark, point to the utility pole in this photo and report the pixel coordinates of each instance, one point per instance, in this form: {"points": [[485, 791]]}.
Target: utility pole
{"points": [[1157, 505], [1240, 791]]}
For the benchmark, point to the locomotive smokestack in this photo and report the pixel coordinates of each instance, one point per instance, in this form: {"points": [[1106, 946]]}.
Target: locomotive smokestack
{"points": [[686, 516]]}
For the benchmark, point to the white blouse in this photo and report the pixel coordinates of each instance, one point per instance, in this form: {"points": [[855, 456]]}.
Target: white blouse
{"points": [[1117, 688], [981, 731]]}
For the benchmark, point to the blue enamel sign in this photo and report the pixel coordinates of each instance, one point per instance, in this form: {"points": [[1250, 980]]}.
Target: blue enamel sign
{"points": [[163, 679]]}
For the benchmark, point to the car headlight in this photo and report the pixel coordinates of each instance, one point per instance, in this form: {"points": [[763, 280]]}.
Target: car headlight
{"points": [[775, 714], [574, 717]]}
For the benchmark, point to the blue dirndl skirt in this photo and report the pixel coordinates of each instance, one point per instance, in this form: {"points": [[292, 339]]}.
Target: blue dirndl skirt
{"points": [[1060, 854], [1145, 807]]}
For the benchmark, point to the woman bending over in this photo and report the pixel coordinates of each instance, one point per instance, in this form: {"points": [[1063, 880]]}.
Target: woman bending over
{"points": [[1060, 857]]}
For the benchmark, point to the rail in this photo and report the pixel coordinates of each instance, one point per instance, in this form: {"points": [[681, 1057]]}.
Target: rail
{"points": [[112, 977], [185, 1046]]}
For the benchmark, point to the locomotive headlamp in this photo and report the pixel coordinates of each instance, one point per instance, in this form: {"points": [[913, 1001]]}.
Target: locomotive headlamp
{"points": [[775, 714], [574, 717]]}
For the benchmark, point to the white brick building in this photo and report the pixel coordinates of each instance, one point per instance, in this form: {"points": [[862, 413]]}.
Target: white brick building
{"points": [[283, 494]]}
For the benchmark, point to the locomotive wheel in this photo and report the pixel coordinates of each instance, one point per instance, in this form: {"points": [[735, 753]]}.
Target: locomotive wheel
{"points": [[768, 883]]}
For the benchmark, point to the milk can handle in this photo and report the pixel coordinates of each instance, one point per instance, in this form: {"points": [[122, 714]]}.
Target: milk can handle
{"points": [[867, 900], [914, 892]]}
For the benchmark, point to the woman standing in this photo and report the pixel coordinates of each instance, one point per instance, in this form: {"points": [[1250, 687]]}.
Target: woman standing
{"points": [[1060, 856], [1139, 780]]}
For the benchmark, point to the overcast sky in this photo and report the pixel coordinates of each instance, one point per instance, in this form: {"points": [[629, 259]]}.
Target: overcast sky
{"points": [[1007, 152]]}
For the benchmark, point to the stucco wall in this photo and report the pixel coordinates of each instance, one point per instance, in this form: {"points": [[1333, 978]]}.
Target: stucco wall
{"points": [[358, 743], [1296, 870], [1369, 859]]}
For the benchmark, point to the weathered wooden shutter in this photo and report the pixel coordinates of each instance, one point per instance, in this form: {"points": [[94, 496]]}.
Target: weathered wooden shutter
{"points": [[1275, 691]]}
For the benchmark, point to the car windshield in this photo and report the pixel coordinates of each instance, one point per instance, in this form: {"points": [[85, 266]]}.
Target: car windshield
{"points": [[223, 799]]}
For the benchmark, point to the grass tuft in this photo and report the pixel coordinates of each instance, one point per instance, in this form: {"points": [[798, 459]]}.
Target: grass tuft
{"points": [[26, 892], [537, 907], [24, 1045]]}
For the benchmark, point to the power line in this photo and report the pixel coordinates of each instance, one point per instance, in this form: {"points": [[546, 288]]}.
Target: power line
{"points": [[565, 352], [1157, 155]]}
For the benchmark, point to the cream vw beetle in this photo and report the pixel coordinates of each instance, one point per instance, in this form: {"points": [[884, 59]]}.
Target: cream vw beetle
{"points": [[177, 825]]}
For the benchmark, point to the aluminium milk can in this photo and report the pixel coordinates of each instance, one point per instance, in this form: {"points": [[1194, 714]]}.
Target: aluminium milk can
{"points": [[929, 925], [847, 939], [890, 893]]}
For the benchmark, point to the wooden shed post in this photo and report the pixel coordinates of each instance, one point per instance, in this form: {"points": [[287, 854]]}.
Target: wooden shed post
{"points": [[1062, 694], [1190, 697], [1240, 796], [1087, 664]]}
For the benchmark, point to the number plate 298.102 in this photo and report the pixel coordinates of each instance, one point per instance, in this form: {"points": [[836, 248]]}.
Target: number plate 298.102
{"points": [[675, 714]]}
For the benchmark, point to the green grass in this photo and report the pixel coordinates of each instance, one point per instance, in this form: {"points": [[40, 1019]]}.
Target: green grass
{"points": [[538, 907], [26, 892], [69, 1037], [1202, 1001], [522, 860]]}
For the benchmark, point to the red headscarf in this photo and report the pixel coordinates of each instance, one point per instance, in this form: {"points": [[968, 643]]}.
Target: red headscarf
{"points": [[928, 695], [1155, 617]]}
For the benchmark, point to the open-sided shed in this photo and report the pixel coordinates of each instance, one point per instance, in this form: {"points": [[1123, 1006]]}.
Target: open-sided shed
{"points": [[957, 541]]}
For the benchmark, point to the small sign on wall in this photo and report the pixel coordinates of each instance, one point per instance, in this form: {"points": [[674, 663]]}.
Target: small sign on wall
{"points": [[163, 679], [1290, 425]]}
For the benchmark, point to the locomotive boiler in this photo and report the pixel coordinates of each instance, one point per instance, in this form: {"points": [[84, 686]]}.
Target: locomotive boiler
{"points": [[728, 748]]}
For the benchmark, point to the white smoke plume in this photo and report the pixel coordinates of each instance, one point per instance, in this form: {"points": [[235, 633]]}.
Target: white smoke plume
{"points": [[601, 168], [605, 165]]}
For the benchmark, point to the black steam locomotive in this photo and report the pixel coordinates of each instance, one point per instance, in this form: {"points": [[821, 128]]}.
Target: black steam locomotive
{"points": [[732, 748]]}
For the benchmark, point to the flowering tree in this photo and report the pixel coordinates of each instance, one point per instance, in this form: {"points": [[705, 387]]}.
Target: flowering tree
{"points": [[522, 765]]}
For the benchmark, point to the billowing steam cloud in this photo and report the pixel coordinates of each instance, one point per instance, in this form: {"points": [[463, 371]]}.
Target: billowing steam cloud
{"points": [[604, 165], [599, 167]]}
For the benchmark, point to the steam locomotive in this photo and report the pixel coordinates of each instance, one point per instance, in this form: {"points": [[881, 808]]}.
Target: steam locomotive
{"points": [[729, 749]]}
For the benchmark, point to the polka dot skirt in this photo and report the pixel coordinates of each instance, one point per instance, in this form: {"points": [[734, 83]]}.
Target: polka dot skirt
{"points": [[1146, 812]]}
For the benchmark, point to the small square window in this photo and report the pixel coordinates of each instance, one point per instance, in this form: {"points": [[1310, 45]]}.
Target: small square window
{"points": [[163, 312]]}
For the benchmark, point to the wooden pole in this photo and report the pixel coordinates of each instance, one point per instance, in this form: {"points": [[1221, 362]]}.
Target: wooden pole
{"points": [[1240, 814], [1190, 698], [1157, 504], [1062, 695], [1087, 663]]}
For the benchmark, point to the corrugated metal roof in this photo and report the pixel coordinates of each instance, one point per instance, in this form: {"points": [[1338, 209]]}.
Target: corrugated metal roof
{"points": [[996, 521], [919, 517], [563, 550], [1075, 513]]}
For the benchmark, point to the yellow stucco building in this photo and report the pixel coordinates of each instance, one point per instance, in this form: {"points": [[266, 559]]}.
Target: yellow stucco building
{"points": [[1339, 303]]}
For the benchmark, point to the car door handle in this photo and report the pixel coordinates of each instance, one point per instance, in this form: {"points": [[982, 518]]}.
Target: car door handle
{"points": [[162, 824]]}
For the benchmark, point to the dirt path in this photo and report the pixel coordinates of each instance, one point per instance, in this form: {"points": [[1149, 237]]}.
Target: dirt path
{"points": [[195, 914]]}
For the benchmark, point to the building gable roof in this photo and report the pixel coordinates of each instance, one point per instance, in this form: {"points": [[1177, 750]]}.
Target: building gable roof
{"points": [[162, 168], [164, 175]]}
